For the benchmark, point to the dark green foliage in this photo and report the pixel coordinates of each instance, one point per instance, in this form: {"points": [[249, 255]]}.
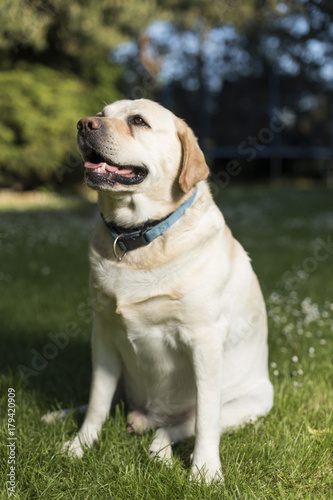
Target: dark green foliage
{"points": [[40, 108]]}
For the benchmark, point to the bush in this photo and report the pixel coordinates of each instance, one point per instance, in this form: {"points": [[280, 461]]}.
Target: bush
{"points": [[40, 109]]}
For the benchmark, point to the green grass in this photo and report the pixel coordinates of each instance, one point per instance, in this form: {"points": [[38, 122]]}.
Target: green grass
{"points": [[43, 281]]}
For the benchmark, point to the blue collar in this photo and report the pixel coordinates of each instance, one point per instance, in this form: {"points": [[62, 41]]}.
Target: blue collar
{"points": [[131, 239]]}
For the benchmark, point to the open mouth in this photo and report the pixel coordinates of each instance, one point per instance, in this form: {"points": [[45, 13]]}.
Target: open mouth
{"points": [[99, 169]]}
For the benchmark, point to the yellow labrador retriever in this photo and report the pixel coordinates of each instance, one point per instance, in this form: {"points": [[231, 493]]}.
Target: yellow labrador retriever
{"points": [[179, 314]]}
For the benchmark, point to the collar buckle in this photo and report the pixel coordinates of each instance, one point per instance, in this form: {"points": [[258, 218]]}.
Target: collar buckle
{"points": [[129, 241], [118, 257]]}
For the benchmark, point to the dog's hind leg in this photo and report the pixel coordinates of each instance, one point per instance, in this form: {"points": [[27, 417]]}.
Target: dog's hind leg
{"points": [[246, 409]]}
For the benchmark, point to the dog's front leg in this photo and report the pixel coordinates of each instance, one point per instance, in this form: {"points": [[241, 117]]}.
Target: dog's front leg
{"points": [[105, 377], [207, 362]]}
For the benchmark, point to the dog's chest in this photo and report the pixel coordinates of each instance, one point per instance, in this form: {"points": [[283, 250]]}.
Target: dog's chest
{"points": [[148, 300], [145, 320]]}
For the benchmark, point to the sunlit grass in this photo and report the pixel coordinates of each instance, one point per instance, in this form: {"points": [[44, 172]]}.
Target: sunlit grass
{"points": [[43, 282]]}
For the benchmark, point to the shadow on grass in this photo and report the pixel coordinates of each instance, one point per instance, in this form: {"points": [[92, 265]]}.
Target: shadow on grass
{"points": [[43, 277], [63, 380]]}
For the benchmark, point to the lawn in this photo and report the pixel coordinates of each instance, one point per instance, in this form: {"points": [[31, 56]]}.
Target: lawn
{"points": [[44, 295]]}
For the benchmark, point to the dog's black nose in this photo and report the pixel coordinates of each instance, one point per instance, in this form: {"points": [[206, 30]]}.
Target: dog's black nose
{"points": [[88, 124]]}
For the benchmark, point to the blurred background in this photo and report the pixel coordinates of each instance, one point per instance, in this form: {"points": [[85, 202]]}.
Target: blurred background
{"points": [[253, 78]]}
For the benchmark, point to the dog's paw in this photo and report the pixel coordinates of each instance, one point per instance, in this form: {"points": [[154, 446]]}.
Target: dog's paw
{"points": [[59, 415], [161, 452], [54, 416], [73, 448], [208, 472], [137, 422], [161, 456]]}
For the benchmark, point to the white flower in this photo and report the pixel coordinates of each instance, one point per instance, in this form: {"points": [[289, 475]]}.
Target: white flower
{"points": [[295, 359], [311, 311], [275, 298]]}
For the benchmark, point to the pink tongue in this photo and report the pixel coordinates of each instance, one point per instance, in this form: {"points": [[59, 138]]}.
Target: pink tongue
{"points": [[94, 166], [109, 168], [125, 171]]}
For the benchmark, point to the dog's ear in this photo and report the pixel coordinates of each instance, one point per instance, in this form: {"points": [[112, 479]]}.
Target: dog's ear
{"points": [[193, 167]]}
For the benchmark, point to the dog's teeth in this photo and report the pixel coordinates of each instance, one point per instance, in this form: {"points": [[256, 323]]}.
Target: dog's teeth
{"points": [[101, 168]]}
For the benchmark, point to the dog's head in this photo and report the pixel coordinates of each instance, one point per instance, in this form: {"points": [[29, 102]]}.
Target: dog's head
{"points": [[139, 146]]}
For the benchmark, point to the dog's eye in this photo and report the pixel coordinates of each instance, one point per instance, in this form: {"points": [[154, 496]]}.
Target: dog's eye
{"points": [[138, 120]]}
